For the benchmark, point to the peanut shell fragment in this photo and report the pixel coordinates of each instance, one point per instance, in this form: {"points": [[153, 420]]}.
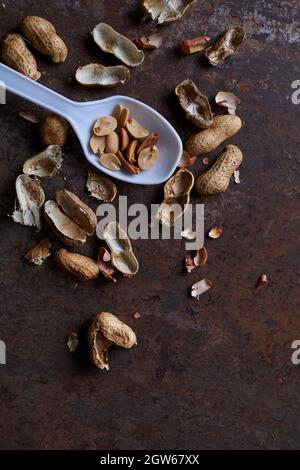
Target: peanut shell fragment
{"points": [[100, 187], [30, 199], [39, 253], [195, 104], [46, 164], [226, 46]]}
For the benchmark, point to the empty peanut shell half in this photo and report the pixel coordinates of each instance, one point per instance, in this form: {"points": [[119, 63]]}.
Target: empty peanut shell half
{"points": [[122, 256], [100, 187], [148, 157], [226, 46], [121, 47], [30, 199], [98, 75], [136, 129], [110, 161], [176, 197], [165, 11], [195, 104], [106, 330], [105, 125], [45, 164], [63, 226], [77, 210]]}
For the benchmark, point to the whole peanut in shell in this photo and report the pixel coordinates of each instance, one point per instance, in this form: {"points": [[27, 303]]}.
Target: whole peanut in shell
{"points": [[53, 130], [217, 178], [42, 35], [15, 54], [208, 140]]}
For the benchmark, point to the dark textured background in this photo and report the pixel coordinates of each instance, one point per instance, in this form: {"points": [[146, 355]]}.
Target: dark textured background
{"points": [[209, 374]]}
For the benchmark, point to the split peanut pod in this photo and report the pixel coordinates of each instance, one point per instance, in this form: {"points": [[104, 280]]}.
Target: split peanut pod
{"points": [[106, 330], [176, 197], [70, 218], [42, 35], [77, 210], [15, 54], [226, 46], [63, 226], [30, 199], [166, 11], [121, 47], [122, 256], [195, 104], [101, 76], [217, 178], [208, 140]]}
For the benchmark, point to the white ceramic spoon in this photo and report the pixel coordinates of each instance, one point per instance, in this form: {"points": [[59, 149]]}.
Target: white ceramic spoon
{"points": [[82, 115]]}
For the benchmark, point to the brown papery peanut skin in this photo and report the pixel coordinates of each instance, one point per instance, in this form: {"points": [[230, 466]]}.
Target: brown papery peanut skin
{"points": [[42, 35], [217, 178], [16, 55], [53, 130], [208, 140]]}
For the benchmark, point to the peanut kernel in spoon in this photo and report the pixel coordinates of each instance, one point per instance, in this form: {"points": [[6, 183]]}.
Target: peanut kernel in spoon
{"points": [[136, 129], [105, 125], [110, 161]]}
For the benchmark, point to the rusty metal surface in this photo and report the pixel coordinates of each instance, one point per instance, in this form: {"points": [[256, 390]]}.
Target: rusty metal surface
{"points": [[210, 374]]}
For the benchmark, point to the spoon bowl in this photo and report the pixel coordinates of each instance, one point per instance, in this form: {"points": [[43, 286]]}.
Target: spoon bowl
{"points": [[82, 115]]}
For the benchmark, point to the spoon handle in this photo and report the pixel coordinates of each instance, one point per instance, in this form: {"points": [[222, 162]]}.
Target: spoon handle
{"points": [[23, 86]]}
